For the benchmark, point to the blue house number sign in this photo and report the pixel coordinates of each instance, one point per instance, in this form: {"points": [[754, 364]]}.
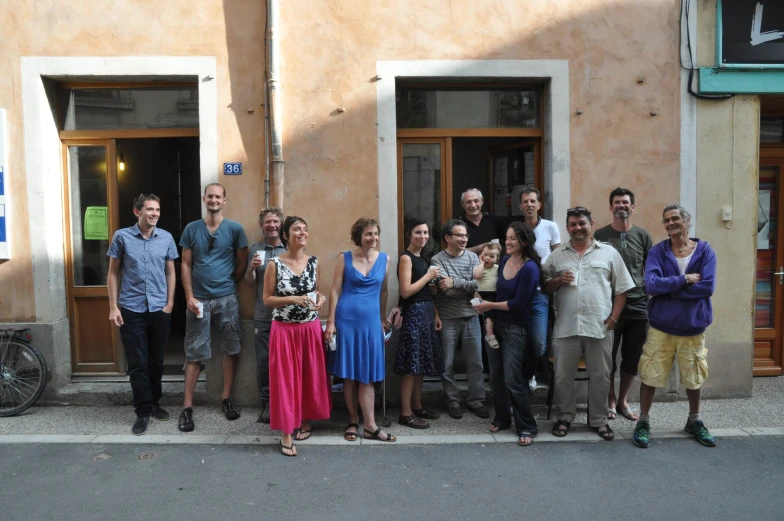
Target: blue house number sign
{"points": [[232, 168]]}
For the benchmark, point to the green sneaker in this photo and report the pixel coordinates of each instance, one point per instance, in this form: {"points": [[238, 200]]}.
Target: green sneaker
{"points": [[700, 432], [642, 434]]}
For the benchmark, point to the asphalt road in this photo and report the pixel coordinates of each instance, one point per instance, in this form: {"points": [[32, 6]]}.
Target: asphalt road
{"points": [[674, 479]]}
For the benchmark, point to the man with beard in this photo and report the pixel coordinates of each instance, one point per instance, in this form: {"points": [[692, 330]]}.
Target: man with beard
{"points": [[141, 285], [633, 243], [590, 282], [548, 238], [261, 252], [214, 257]]}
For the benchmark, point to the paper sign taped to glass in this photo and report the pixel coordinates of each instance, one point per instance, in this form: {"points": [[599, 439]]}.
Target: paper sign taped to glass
{"points": [[96, 223]]}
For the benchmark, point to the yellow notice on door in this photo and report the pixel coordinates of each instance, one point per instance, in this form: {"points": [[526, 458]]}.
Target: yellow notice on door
{"points": [[96, 223]]}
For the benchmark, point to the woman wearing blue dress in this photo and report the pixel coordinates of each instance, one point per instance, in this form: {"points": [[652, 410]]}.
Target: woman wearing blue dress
{"points": [[357, 318]]}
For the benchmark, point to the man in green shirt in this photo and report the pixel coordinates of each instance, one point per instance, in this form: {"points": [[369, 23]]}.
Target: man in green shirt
{"points": [[633, 243]]}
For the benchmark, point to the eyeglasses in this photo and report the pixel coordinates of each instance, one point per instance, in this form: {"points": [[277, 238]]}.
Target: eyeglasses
{"points": [[623, 240], [459, 235], [211, 243]]}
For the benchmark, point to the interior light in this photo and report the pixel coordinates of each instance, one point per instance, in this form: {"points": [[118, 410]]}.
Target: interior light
{"points": [[121, 161]]}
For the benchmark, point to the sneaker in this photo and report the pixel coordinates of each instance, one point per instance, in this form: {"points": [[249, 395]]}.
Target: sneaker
{"points": [[140, 425], [480, 410], [264, 417], [185, 424], [455, 411], [228, 410], [642, 434], [532, 384], [700, 432], [159, 414]]}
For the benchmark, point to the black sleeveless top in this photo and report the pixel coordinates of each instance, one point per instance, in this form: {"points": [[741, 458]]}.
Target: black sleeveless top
{"points": [[419, 267]]}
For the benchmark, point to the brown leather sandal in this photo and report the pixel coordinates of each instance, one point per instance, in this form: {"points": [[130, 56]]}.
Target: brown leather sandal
{"points": [[375, 435]]}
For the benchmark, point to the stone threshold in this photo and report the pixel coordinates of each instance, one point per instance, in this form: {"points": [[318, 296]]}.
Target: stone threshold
{"points": [[454, 439]]}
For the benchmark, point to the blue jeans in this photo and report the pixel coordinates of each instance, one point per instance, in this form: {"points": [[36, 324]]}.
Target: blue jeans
{"points": [[510, 389], [537, 334]]}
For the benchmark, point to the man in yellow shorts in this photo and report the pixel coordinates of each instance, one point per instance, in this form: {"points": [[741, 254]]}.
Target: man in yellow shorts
{"points": [[680, 277]]}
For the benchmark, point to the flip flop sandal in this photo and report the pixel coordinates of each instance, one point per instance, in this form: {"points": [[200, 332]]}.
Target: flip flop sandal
{"points": [[611, 414], [301, 435], [287, 447], [557, 431], [607, 434], [375, 436], [492, 341], [629, 414], [522, 437], [348, 435]]}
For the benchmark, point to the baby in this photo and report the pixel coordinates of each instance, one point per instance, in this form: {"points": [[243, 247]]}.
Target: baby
{"points": [[491, 253]]}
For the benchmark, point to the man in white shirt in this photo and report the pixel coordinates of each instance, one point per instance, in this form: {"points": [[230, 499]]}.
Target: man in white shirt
{"points": [[590, 281], [548, 238]]}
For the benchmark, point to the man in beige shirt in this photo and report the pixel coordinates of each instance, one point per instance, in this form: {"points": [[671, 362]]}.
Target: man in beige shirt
{"points": [[590, 281]]}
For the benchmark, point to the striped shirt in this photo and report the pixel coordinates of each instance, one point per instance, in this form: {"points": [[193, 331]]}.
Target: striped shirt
{"points": [[456, 302], [143, 267]]}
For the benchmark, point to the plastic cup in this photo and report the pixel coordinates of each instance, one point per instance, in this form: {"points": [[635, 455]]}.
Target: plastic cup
{"points": [[313, 297], [200, 307], [475, 301], [574, 281], [259, 255]]}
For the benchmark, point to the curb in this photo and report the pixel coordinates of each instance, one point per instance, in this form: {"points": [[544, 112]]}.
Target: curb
{"points": [[201, 439]]}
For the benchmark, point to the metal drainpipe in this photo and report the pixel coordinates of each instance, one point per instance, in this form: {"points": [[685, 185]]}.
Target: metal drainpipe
{"points": [[273, 86]]}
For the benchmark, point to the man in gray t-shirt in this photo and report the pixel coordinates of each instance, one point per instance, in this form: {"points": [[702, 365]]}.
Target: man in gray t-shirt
{"points": [[261, 252], [458, 270], [633, 243]]}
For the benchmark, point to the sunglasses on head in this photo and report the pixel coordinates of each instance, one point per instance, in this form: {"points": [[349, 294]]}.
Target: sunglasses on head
{"points": [[577, 210]]}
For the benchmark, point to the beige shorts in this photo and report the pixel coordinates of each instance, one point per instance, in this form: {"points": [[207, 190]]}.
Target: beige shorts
{"points": [[659, 352]]}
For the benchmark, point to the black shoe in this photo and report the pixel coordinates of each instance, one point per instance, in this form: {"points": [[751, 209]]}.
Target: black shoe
{"points": [[140, 425], [455, 411], [480, 410], [229, 411], [159, 414], [186, 420], [264, 417]]}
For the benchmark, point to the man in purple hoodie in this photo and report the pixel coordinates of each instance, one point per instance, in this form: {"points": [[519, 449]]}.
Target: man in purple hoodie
{"points": [[680, 277]]}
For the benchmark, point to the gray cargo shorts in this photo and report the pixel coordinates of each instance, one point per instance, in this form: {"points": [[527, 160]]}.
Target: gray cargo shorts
{"points": [[222, 312]]}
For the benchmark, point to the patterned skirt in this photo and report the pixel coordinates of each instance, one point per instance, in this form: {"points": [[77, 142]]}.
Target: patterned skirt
{"points": [[418, 349]]}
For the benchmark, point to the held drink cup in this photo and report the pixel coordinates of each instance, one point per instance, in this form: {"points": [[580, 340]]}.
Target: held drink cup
{"points": [[436, 269], [313, 298], [475, 301], [575, 273], [200, 307], [259, 255]]}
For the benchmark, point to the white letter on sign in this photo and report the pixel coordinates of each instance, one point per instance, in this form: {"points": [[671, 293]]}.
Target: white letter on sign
{"points": [[757, 36]]}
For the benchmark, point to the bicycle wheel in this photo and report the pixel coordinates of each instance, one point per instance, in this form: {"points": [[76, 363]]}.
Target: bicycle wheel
{"points": [[22, 376]]}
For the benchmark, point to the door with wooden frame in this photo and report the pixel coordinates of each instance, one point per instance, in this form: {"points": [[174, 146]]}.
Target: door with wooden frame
{"points": [[91, 218]]}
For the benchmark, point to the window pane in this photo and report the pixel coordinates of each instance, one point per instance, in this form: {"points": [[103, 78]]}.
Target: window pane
{"points": [[767, 213], [160, 107], [89, 214], [511, 170], [771, 130], [422, 185], [420, 108]]}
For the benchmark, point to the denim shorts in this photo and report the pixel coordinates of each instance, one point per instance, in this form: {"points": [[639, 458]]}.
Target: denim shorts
{"points": [[224, 314]]}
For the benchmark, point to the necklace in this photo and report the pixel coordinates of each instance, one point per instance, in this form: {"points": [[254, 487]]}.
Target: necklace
{"points": [[687, 245]]}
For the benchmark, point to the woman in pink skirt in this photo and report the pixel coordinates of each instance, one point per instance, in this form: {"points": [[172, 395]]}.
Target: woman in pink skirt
{"points": [[299, 385]]}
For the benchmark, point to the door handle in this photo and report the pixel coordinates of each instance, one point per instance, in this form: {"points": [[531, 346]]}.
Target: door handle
{"points": [[780, 273]]}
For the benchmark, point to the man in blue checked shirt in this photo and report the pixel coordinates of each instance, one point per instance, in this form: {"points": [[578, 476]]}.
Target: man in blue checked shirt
{"points": [[141, 296]]}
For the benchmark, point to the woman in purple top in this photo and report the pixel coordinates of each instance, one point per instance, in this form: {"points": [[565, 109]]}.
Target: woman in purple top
{"points": [[519, 274]]}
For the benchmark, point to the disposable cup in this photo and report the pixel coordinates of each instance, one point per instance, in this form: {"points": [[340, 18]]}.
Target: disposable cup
{"points": [[574, 281], [313, 297], [200, 307], [475, 301]]}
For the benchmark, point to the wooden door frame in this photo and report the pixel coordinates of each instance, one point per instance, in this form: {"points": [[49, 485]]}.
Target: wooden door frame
{"points": [[773, 338], [72, 292]]}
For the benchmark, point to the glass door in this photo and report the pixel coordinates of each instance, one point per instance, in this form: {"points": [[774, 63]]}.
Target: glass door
{"points": [[770, 271], [424, 184], [91, 219]]}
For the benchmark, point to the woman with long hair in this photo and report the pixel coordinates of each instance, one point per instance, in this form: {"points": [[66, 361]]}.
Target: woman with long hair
{"points": [[418, 349], [299, 385], [357, 318], [519, 274]]}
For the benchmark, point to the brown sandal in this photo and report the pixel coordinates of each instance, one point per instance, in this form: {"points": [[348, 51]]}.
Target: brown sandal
{"points": [[348, 435], [607, 434], [413, 422]]}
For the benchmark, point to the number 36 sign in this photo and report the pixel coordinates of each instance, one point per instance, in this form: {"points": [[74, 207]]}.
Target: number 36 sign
{"points": [[232, 168]]}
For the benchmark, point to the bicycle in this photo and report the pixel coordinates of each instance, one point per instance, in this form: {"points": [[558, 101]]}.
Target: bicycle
{"points": [[22, 372]]}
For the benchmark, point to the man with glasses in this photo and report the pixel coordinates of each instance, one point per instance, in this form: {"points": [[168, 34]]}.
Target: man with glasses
{"points": [[481, 226], [214, 257], [261, 252], [141, 285], [548, 238], [633, 243], [459, 270], [590, 282]]}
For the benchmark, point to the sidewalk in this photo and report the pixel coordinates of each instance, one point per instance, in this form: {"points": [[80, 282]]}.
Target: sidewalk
{"points": [[760, 415]]}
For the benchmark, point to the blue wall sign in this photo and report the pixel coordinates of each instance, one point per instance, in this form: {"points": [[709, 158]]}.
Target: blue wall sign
{"points": [[2, 189], [232, 168], [2, 223]]}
